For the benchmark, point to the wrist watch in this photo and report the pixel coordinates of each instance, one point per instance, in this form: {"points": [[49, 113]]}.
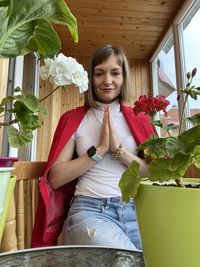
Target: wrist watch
{"points": [[92, 153]]}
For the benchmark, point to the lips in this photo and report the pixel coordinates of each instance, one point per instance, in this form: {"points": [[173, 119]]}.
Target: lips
{"points": [[108, 89]]}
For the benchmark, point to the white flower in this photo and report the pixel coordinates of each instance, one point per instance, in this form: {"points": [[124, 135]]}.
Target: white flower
{"points": [[44, 70], [63, 71], [80, 78]]}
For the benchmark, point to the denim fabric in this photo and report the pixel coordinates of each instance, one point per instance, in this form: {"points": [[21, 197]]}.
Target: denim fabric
{"points": [[102, 222]]}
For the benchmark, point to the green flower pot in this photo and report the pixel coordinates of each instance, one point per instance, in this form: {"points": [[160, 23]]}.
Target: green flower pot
{"points": [[9, 193], [169, 222], [5, 174]]}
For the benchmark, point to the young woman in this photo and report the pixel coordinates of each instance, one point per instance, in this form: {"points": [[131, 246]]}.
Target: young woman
{"points": [[104, 134]]}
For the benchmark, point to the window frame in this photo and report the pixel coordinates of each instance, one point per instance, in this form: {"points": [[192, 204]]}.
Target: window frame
{"points": [[176, 29]]}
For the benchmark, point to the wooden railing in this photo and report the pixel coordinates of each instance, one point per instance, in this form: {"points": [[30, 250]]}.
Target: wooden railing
{"points": [[192, 172]]}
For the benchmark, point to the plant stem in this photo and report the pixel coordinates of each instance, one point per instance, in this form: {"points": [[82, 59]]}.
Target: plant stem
{"points": [[168, 133], [179, 182], [8, 123], [49, 94], [182, 112]]}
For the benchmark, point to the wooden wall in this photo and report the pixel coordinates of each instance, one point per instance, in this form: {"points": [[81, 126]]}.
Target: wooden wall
{"points": [[62, 101], [4, 64]]}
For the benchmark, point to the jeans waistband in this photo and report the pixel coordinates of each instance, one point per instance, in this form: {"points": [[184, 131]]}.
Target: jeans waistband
{"points": [[106, 200]]}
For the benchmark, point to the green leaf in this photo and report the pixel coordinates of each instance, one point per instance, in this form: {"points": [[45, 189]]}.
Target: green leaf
{"points": [[190, 138], [171, 127], [195, 119], [26, 26], [43, 110], [174, 146], [31, 102], [169, 169], [168, 127], [28, 120], [4, 2], [7, 100], [130, 181], [42, 39], [157, 123], [17, 89], [19, 138], [196, 159], [154, 146]]}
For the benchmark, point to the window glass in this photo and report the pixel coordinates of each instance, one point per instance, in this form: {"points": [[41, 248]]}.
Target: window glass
{"points": [[166, 82], [191, 40]]}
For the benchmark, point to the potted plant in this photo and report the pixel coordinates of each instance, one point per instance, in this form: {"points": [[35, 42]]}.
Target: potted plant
{"points": [[167, 210]]}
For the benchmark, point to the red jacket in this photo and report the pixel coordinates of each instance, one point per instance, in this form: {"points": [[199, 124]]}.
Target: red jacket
{"points": [[53, 205]]}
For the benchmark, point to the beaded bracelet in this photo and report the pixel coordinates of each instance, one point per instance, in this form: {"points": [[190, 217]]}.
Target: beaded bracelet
{"points": [[117, 152]]}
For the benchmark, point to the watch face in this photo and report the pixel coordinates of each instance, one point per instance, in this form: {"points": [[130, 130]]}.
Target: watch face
{"points": [[91, 151]]}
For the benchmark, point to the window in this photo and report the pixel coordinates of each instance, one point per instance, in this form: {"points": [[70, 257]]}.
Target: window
{"points": [[169, 75], [165, 76], [191, 39], [23, 73]]}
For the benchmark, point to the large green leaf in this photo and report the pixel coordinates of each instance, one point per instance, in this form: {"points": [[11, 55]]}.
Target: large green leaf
{"points": [[130, 181], [197, 157], [4, 2], [169, 169], [190, 138], [18, 138], [42, 39], [32, 102], [174, 146], [195, 119], [26, 26], [26, 117]]}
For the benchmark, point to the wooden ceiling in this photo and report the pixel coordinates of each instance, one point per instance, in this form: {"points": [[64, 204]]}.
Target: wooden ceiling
{"points": [[136, 25]]}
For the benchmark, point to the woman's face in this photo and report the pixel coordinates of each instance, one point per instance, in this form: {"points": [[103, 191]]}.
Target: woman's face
{"points": [[107, 80]]}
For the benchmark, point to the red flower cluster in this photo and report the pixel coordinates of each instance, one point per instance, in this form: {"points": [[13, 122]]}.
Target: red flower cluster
{"points": [[151, 105]]}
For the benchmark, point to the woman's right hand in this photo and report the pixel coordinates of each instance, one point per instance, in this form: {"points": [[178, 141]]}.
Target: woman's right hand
{"points": [[104, 142]]}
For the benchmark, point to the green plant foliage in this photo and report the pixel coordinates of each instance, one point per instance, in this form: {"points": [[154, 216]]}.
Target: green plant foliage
{"points": [[130, 181], [26, 110], [169, 156], [27, 26], [19, 138], [169, 169]]}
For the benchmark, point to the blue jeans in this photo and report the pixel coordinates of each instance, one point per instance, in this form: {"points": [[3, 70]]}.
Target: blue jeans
{"points": [[102, 222]]}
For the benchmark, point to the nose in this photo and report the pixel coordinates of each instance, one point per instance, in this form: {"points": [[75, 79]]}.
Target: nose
{"points": [[107, 79]]}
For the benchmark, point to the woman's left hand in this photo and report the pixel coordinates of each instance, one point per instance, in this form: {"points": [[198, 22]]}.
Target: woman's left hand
{"points": [[114, 141]]}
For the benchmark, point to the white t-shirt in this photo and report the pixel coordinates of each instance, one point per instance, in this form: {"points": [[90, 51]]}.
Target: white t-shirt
{"points": [[103, 178]]}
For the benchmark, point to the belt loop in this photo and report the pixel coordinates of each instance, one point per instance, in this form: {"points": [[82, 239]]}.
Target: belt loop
{"points": [[107, 203]]}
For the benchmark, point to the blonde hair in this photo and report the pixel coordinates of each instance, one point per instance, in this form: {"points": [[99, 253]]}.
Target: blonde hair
{"points": [[101, 55]]}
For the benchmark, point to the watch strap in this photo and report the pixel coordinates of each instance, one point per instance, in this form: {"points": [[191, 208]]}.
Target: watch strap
{"points": [[92, 153]]}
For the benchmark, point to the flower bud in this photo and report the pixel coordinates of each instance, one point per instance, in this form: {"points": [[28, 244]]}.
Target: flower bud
{"points": [[188, 75], [194, 71]]}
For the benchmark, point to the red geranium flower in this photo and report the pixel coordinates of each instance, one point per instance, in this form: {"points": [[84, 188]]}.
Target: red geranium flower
{"points": [[151, 105]]}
